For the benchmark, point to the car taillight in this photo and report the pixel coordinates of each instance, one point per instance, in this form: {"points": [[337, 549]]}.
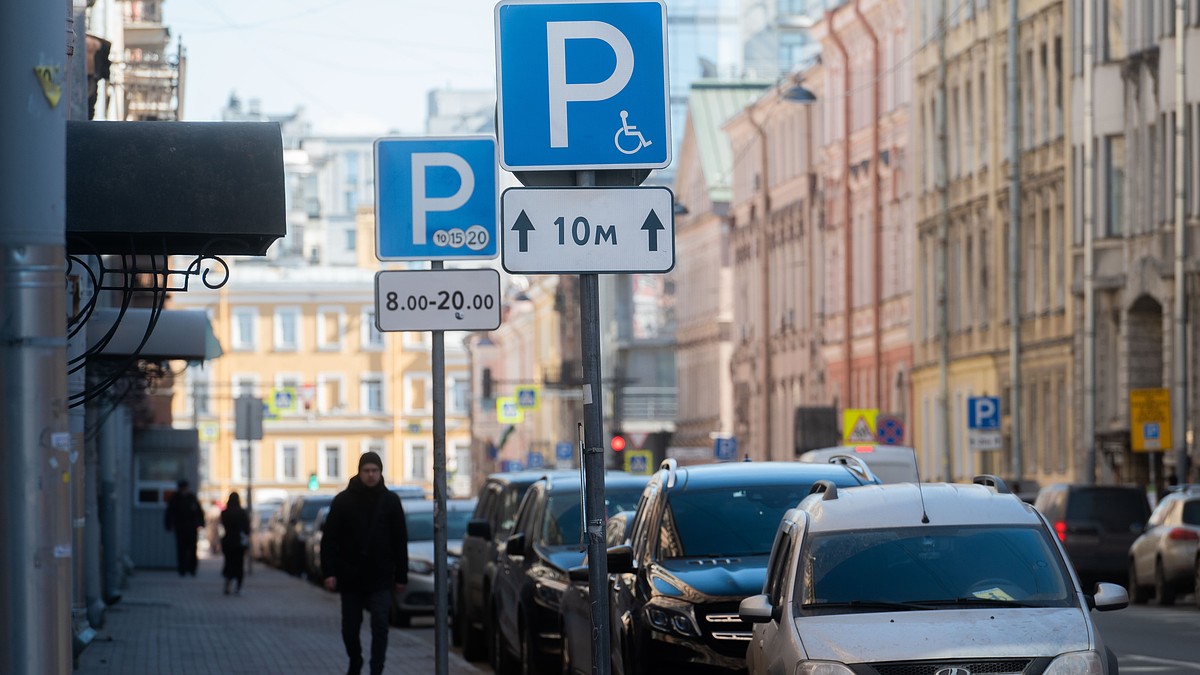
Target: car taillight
{"points": [[1060, 528], [864, 448], [1181, 534]]}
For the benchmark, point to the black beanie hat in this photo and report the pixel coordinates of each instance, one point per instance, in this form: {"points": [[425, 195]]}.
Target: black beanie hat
{"points": [[370, 458]]}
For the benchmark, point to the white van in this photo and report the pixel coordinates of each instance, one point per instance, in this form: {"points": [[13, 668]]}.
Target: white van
{"points": [[891, 463]]}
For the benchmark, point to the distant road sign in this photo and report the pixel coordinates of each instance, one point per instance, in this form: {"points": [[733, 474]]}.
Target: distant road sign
{"points": [[448, 299], [983, 412], [535, 460], [588, 230], [435, 198], [725, 449], [637, 462], [582, 85], [563, 450], [890, 430], [1150, 419], [508, 412], [858, 425], [529, 396]]}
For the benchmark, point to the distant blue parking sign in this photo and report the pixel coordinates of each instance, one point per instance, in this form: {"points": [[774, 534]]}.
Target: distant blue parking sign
{"points": [[725, 449], [436, 198], [563, 451], [582, 85]]}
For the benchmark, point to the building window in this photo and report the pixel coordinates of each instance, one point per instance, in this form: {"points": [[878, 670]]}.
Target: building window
{"points": [[200, 403], [330, 397], [372, 393], [459, 401], [245, 385], [287, 461], [1113, 25], [416, 394], [371, 337], [376, 446], [243, 452], [351, 235], [1114, 181], [287, 329], [245, 337], [418, 462], [329, 329], [331, 460]]}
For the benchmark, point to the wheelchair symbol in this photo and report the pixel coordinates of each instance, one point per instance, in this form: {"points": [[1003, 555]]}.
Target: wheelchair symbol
{"points": [[629, 131]]}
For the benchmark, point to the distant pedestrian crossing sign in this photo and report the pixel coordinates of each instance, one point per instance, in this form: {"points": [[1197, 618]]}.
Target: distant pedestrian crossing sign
{"points": [[529, 397], [858, 425], [508, 411], [637, 462]]}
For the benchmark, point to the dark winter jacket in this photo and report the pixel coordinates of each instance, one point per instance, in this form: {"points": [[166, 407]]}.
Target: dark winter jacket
{"points": [[183, 514], [237, 525], [364, 544]]}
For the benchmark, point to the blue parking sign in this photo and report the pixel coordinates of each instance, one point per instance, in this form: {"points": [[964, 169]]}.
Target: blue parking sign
{"points": [[436, 198], [725, 449], [582, 85]]}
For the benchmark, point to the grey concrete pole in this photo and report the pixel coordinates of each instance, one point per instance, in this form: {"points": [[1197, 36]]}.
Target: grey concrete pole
{"points": [[1089, 227], [943, 243], [93, 586], [1179, 395], [1014, 236], [440, 574], [35, 441]]}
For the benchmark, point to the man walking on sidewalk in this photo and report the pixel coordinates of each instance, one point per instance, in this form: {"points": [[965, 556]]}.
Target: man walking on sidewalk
{"points": [[183, 517], [364, 554]]}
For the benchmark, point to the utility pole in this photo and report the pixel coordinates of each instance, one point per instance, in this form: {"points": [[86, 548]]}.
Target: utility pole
{"points": [[1179, 396], [1089, 291], [1014, 236], [943, 241], [35, 446]]}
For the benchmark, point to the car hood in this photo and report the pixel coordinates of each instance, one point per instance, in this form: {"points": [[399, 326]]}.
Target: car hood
{"points": [[951, 634], [716, 577], [423, 550], [564, 558]]}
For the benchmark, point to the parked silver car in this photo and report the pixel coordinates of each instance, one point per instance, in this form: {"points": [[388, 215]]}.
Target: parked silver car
{"points": [[418, 597], [932, 578], [1163, 557]]}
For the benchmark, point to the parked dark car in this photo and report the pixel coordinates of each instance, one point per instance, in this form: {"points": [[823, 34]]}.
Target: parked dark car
{"points": [[525, 625], [312, 548], [298, 526], [487, 531], [418, 597], [698, 546], [576, 608], [1096, 524]]}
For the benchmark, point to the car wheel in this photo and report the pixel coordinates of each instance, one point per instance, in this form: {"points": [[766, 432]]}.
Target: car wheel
{"points": [[1196, 582], [1163, 588], [502, 661], [1137, 592]]}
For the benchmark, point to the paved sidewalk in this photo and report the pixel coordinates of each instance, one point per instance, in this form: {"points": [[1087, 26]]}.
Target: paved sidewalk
{"points": [[167, 624]]}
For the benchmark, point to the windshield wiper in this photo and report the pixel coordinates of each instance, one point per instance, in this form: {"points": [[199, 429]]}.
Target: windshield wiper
{"points": [[864, 604], [973, 600]]}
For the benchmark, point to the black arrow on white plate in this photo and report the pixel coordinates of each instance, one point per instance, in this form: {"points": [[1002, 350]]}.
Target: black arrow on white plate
{"points": [[652, 226], [523, 227]]}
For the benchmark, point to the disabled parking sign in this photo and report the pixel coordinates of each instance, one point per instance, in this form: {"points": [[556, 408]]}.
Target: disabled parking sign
{"points": [[582, 85]]}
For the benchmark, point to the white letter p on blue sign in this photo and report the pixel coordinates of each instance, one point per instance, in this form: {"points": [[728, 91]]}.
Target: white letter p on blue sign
{"points": [[435, 198]]}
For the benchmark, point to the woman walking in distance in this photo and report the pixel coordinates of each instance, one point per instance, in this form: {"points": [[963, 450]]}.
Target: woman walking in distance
{"points": [[235, 541]]}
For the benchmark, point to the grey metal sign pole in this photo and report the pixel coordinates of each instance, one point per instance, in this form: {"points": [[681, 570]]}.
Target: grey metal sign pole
{"points": [[440, 573], [593, 460]]}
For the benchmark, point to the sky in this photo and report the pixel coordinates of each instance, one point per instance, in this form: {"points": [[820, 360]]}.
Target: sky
{"points": [[355, 66]]}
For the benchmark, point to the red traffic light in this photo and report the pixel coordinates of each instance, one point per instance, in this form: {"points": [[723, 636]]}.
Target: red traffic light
{"points": [[617, 443]]}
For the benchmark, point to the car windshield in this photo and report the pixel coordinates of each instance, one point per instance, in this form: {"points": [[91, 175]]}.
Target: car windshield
{"points": [[420, 524], [562, 525], [930, 567], [728, 521], [1114, 509], [308, 510]]}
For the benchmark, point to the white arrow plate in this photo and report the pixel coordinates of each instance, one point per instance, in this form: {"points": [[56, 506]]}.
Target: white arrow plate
{"points": [[574, 230]]}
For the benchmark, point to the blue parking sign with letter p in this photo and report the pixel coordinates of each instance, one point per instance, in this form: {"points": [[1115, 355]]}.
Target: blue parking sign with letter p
{"points": [[436, 198], [582, 85]]}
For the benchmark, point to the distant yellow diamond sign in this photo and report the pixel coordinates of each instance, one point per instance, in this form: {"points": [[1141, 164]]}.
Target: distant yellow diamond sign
{"points": [[508, 411], [858, 425], [1150, 419]]}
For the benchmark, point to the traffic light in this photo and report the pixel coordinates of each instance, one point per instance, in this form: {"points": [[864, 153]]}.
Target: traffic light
{"points": [[617, 443]]}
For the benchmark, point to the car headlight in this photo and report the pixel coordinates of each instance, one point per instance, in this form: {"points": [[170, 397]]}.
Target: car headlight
{"points": [[822, 668], [1076, 663], [420, 567], [674, 618]]}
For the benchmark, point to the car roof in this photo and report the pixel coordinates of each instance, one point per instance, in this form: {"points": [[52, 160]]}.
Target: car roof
{"points": [[528, 477], [757, 473], [903, 505], [569, 480], [426, 505]]}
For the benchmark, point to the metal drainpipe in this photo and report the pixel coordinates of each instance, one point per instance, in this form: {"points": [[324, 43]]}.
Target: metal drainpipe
{"points": [[1014, 239], [876, 216], [943, 239], [1180, 394], [847, 237], [765, 269], [1089, 292]]}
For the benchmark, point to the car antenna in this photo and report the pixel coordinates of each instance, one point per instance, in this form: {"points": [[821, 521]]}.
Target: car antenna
{"points": [[917, 464]]}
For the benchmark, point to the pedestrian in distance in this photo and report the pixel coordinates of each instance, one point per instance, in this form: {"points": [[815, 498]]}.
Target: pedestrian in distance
{"points": [[235, 541], [184, 516], [364, 555]]}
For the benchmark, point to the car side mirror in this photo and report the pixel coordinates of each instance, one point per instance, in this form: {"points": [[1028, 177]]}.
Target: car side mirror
{"points": [[756, 609], [1109, 597], [479, 527], [578, 574], [620, 559], [515, 544]]}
